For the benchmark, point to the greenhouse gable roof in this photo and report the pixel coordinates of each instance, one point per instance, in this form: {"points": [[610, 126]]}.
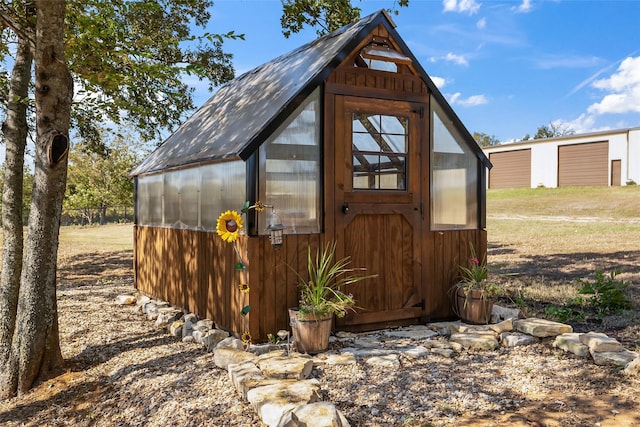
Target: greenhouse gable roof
{"points": [[241, 114]]}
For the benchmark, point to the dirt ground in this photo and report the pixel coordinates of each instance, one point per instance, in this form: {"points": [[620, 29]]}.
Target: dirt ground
{"points": [[578, 394]]}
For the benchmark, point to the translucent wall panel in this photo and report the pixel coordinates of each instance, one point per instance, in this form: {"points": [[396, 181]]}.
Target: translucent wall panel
{"points": [[181, 193], [188, 197], [223, 187], [454, 176], [149, 200], [171, 199], [191, 198], [289, 171]]}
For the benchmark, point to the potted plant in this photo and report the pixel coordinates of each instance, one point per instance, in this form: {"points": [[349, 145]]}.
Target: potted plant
{"points": [[322, 296], [475, 294]]}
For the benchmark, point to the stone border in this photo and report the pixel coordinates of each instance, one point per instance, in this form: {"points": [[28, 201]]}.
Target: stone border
{"points": [[276, 381]]}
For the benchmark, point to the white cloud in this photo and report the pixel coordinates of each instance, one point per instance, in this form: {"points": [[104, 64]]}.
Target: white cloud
{"points": [[562, 60], [456, 59], [461, 6], [438, 81], [471, 101], [481, 24], [582, 124], [624, 86], [524, 7]]}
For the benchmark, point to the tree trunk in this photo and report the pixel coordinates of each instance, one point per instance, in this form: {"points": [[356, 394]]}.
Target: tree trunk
{"points": [[15, 131], [103, 214], [35, 344]]}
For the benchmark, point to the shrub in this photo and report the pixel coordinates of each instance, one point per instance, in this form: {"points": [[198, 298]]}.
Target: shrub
{"points": [[607, 293]]}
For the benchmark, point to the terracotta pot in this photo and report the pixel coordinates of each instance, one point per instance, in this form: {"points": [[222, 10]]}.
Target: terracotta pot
{"points": [[310, 334], [473, 308]]}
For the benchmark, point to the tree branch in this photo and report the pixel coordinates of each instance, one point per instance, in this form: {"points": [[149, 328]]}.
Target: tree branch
{"points": [[18, 24]]}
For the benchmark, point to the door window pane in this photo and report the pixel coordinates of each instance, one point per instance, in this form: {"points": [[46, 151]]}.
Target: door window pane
{"points": [[379, 151]]}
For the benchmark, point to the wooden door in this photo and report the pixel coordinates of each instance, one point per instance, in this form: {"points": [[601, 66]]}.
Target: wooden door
{"points": [[378, 209], [616, 172]]}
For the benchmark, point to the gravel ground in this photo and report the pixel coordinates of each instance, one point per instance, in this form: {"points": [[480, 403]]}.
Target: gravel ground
{"points": [[122, 371]]}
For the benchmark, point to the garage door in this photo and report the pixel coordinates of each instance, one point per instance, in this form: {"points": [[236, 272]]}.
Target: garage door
{"points": [[511, 169], [583, 164]]}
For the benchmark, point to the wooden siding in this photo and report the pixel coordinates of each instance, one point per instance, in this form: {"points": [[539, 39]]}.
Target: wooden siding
{"points": [[348, 79], [194, 270], [511, 169], [444, 252], [583, 164]]}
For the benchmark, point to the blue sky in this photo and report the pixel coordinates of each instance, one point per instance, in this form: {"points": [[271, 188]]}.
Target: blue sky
{"points": [[507, 67]]}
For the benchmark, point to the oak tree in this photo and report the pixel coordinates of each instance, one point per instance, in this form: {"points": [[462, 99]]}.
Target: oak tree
{"points": [[127, 58]]}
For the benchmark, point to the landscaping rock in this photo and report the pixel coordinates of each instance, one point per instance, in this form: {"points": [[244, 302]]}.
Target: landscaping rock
{"points": [[223, 357], [242, 373], [386, 361], [571, 343], [515, 339], [272, 402], [444, 352], [167, 315], [431, 344], [442, 328], [367, 342], [126, 300], [615, 358], [541, 328], [633, 367], [476, 341], [151, 310], [260, 349], [417, 352], [366, 352], [213, 337], [341, 359], [278, 365], [175, 328], [600, 343], [190, 318], [204, 323], [319, 414], [504, 326], [198, 335], [187, 329], [142, 300], [231, 342], [417, 332]]}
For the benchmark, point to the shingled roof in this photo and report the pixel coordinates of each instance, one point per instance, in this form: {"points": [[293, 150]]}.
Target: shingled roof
{"points": [[244, 112]]}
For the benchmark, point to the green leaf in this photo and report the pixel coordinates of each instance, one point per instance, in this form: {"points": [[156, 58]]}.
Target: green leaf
{"points": [[239, 266], [245, 310]]}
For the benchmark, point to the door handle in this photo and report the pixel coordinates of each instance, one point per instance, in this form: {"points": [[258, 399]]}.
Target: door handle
{"points": [[345, 208]]}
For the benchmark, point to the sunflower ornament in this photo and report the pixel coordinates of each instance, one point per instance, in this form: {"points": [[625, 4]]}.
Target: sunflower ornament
{"points": [[229, 226]]}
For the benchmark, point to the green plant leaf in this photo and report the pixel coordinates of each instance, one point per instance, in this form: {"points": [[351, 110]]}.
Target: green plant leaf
{"points": [[245, 310]]}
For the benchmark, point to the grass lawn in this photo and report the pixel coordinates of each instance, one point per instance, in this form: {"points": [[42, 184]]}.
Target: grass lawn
{"points": [[541, 240]]}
